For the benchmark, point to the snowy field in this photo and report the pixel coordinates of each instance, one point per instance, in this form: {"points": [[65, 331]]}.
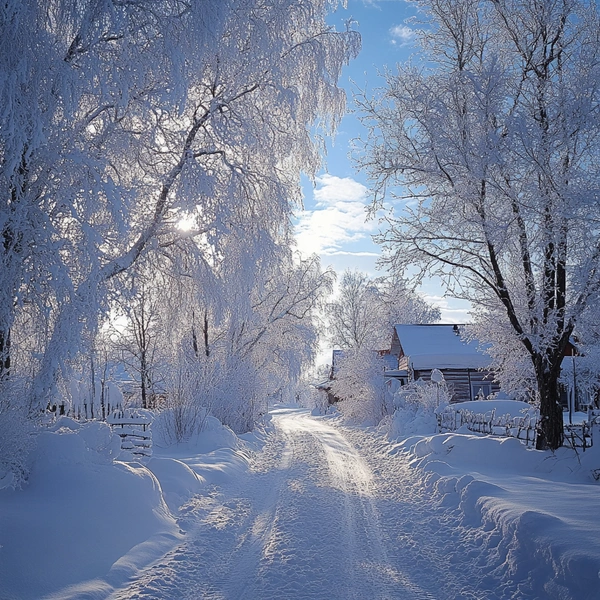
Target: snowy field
{"points": [[306, 508]]}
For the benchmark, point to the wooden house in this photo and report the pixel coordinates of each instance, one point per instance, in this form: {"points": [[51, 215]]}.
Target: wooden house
{"points": [[422, 348]]}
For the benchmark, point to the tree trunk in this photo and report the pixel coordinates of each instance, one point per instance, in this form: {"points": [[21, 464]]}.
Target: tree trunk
{"points": [[205, 329], [7, 262], [93, 394], [143, 380], [4, 354], [550, 428]]}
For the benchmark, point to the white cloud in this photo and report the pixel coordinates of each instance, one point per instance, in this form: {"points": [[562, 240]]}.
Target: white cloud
{"points": [[376, 3], [402, 35], [334, 190], [339, 218], [360, 253]]}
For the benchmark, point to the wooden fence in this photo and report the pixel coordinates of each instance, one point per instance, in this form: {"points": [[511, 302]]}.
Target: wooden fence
{"points": [[577, 435], [133, 427], [522, 428]]}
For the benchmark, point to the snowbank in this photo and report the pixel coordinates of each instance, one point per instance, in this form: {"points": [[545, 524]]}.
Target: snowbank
{"points": [[86, 522], [536, 508], [211, 436], [79, 515]]}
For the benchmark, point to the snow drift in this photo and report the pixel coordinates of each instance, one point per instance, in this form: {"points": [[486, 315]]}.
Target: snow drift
{"points": [[86, 522], [534, 508]]}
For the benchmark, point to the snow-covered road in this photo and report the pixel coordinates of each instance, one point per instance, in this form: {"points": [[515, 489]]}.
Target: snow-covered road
{"points": [[323, 513]]}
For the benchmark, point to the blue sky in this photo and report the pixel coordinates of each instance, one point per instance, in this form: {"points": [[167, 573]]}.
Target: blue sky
{"points": [[333, 223]]}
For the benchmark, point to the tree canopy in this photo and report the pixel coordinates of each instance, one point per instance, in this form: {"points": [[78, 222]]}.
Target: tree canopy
{"points": [[168, 128], [493, 134], [364, 312]]}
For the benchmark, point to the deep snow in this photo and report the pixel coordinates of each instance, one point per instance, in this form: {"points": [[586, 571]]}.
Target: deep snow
{"points": [[309, 509]]}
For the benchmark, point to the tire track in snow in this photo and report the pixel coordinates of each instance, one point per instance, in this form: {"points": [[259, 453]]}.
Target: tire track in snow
{"points": [[237, 582], [368, 568], [314, 520], [319, 533]]}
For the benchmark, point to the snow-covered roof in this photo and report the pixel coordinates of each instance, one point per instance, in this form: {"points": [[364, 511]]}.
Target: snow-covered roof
{"points": [[439, 346]]}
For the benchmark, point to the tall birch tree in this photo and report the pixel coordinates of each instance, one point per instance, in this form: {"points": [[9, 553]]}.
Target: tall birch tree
{"points": [[363, 314]]}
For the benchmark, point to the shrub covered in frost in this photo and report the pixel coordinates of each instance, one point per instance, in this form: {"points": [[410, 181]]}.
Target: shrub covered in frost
{"points": [[415, 409], [360, 386]]}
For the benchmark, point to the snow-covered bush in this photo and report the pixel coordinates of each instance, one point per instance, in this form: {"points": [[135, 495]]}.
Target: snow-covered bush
{"points": [[239, 398], [176, 424], [315, 400], [220, 385], [187, 403], [360, 386], [416, 406]]}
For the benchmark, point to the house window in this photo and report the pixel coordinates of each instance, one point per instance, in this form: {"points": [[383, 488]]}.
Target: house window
{"points": [[481, 390]]}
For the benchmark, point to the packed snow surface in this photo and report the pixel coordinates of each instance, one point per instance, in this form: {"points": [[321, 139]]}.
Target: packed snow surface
{"points": [[313, 519], [311, 510]]}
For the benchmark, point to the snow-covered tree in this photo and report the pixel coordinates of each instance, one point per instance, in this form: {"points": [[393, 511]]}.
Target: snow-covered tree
{"points": [[237, 331], [361, 320], [365, 310], [493, 132], [121, 119], [137, 332], [352, 317], [78, 80], [360, 385], [267, 336]]}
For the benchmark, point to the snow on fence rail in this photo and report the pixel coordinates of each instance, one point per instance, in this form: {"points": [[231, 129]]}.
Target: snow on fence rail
{"points": [[133, 427], [522, 428], [577, 435]]}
